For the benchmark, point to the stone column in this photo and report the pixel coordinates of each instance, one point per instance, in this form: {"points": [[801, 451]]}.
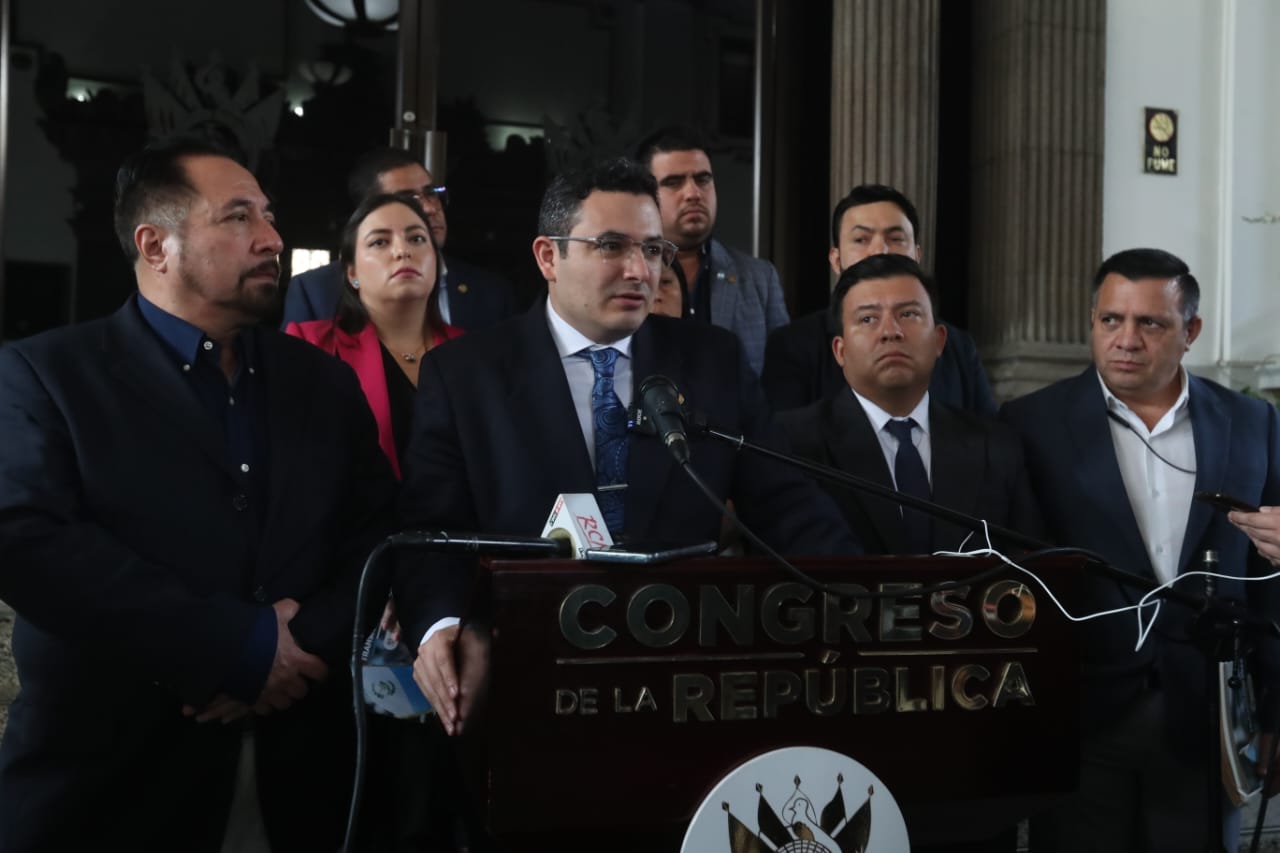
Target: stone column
{"points": [[1036, 209], [884, 93]]}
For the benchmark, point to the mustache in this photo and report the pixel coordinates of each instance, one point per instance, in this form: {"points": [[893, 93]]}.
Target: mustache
{"points": [[271, 267]]}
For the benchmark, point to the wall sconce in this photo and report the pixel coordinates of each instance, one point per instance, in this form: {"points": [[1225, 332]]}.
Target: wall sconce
{"points": [[363, 16]]}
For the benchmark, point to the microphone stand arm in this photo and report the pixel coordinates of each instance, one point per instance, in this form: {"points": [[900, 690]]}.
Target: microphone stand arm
{"points": [[1230, 611], [862, 484]]}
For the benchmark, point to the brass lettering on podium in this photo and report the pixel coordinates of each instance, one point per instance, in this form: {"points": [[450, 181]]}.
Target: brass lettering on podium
{"points": [[744, 652]]}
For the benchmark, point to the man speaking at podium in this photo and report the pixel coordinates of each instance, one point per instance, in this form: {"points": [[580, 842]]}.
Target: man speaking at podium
{"points": [[509, 418], [1115, 455]]}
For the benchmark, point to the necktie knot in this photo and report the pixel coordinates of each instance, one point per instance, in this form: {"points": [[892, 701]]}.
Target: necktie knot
{"points": [[901, 430], [602, 360]]}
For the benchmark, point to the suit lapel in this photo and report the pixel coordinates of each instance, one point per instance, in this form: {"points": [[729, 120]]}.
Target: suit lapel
{"points": [[854, 448], [142, 363], [289, 401], [726, 292], [1211, 433], [539, 397], [649, 463], [1098, 471], [364, 353], [958, 466]]}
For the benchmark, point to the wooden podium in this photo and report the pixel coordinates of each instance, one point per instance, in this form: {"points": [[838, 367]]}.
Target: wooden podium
{"points": [[620, 696]]}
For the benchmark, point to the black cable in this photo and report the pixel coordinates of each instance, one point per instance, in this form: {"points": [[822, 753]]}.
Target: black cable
{"points": [[1272, 764], [1130, 428], [1262, 806], [357, 695], [818, 586], [1098, 564], [443, 542]]}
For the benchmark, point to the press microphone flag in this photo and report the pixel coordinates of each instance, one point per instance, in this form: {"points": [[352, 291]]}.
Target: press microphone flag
{"points": [[576, 519]]}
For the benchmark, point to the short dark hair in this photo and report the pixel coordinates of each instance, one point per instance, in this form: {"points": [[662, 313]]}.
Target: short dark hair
{"points": [[152, 185], [562, 202], [362, 180], [870, 194], [670, 138], [876, 267], [1135, 264], [351, 316]]}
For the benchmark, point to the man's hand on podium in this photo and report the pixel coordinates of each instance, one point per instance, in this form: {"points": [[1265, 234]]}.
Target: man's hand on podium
{"points": [[452, 670]]}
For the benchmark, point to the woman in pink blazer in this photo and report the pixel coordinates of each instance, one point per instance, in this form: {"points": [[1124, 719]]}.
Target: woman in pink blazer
{"points": [[388, 314]]}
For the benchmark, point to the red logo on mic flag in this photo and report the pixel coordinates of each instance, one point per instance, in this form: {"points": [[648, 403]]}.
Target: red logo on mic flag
{"points": [[577, 517]]}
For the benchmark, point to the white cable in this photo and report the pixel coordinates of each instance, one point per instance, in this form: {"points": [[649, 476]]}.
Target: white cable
{"points": [[1147, 600]]}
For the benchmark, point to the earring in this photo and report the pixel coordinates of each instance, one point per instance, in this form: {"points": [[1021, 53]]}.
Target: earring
{"points": [[355, 282]]}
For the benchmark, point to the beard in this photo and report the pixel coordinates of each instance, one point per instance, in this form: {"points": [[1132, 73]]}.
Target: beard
{"points": [[690, 234], [253, 301]]}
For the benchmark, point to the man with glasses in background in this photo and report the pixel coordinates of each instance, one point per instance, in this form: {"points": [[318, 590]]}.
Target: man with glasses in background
{"points": [[508, 419], [470, 298]]}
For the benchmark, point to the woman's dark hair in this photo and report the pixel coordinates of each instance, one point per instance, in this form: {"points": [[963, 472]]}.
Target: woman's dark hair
{"points": [[351, 315]]}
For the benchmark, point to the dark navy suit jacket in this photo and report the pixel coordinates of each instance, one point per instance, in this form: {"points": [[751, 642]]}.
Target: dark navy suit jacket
{"points": [[1074, 471], [799, 368], [136, 572], [477, 298], [496, 439], [976, 468]]}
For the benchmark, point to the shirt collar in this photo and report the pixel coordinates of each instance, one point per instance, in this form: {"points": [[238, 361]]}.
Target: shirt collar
{"points": [[1179, 407], [569, 341], [879, 417], [180, 336], [186, 340]]}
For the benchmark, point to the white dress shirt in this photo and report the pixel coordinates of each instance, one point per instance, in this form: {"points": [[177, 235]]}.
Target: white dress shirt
{"points": [[1159, 494]]}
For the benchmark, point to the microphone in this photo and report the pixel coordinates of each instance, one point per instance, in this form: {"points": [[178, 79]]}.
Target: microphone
{"points": [[661, 404], [445, 542], [577, 524]]}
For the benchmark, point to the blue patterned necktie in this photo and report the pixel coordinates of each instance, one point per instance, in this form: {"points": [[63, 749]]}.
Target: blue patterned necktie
{"points": [[912, 479], [609, 420]]}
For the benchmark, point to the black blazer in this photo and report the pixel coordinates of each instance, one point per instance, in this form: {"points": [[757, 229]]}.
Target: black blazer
{"points": [[976, 467], [1073, 467], [130, 561], [477, 298], [496, 439], [799, 368]]}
